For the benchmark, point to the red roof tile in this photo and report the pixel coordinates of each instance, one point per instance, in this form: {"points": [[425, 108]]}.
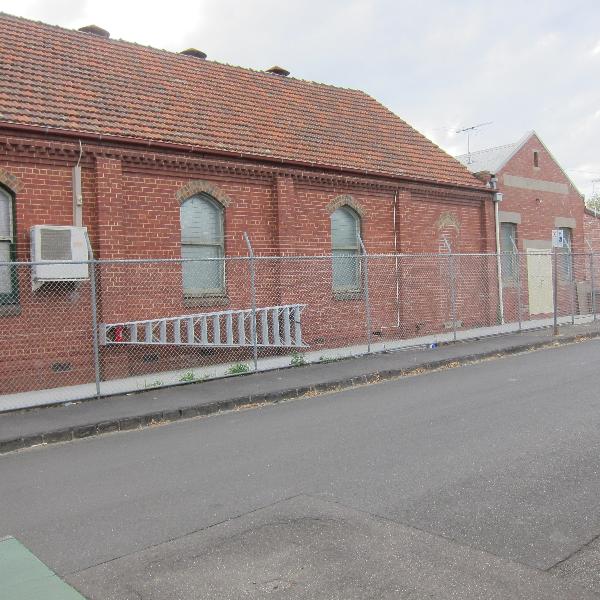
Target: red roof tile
{"points": [[58, 78]]}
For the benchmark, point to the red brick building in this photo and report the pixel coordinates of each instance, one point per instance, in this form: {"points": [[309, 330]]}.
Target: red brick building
{"points": [[537, 198], [180, 155], [591, 225]]}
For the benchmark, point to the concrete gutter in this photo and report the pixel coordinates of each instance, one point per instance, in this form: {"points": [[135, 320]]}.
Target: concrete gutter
{"points": [[43, 426]]}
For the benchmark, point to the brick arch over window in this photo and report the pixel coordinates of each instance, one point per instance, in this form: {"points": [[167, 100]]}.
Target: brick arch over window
{"points": [[12, 182], [199, 186], [345, 200]]}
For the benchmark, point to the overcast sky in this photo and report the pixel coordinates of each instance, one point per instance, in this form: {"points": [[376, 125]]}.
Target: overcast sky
{"points": [[440, 65]]}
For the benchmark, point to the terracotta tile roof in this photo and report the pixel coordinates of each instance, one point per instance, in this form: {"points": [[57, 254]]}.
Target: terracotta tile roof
{"points": [[58, 78]]}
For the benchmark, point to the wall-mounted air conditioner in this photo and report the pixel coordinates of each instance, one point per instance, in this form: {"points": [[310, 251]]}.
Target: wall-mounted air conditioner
{"points": [[60, 247]]}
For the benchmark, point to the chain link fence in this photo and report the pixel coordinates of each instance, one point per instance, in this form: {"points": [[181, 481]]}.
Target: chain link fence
{"points": [[132, 325]]}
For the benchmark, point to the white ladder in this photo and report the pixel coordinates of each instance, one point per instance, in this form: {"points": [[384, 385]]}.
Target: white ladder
{"points": [[275, 326]]}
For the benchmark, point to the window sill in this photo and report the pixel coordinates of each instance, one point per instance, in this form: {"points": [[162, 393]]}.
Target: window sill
{"points": [[356, 295], [205, 301], [10, 310]]}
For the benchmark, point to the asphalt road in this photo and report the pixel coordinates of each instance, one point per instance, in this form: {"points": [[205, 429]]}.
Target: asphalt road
{"points": [[476, 482]]}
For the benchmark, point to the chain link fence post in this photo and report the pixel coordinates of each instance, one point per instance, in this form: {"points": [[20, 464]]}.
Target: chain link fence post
{"points": [[365, 259], [252, 269], [94, 307], [519, 292], [451, 285], [593, 291], [573, 285], [519, 288], [555, 289], [452, 267]]}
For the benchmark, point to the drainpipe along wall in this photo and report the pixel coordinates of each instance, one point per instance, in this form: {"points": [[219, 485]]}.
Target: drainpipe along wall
{"points": [[396, 263], [77, 191], [396, 260], [497, 198]]}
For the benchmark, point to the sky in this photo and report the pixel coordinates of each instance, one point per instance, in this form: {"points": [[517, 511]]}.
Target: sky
{"points": [[441, 65]]}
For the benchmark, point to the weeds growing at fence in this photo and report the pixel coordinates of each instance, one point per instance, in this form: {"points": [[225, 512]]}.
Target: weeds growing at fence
{"points": [[297, 359], [238, 369], [187, 377]]}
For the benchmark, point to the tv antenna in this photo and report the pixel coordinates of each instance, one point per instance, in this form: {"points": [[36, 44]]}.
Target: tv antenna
{"points": [[468, 131]]}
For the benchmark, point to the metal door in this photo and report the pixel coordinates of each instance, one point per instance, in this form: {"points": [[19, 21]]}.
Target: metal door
{"points": [[539, 279]]}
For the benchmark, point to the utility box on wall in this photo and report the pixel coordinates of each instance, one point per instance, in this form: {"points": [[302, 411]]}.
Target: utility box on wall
{"points": [[60, 247]]}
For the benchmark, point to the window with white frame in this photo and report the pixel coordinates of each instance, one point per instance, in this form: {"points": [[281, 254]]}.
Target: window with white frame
{"points": [[202, 240], [8, 274], [508, 248], [345, 230]]}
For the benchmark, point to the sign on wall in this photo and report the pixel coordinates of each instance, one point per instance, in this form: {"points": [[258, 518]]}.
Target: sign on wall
{"points": [[558, 238]]}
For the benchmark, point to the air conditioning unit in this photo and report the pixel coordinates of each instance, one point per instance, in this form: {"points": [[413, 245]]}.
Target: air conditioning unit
{"points": [[60, 247]]}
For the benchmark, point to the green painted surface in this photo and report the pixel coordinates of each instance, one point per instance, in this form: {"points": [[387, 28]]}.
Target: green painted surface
{"points": [[25, 577]]}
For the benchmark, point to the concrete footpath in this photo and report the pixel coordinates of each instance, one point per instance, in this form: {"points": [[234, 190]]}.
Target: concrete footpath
{"points": [[26, 428]]}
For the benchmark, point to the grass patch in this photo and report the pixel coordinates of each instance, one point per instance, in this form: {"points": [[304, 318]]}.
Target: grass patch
{"points": [[238, 369], [153, 384], [297, 359], [328, 359]]}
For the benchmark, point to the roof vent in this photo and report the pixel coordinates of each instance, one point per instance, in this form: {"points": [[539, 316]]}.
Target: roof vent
{"points": [[193, 52], [95, 30], [278, 71]]}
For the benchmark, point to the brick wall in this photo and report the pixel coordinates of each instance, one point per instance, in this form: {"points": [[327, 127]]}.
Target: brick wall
{"points": [[539, 211], [591, 226], [131, 209]]}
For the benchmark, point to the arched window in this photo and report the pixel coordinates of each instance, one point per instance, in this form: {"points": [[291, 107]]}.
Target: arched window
{"points": [[8, 274], [202, 240], [345, 229]]}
